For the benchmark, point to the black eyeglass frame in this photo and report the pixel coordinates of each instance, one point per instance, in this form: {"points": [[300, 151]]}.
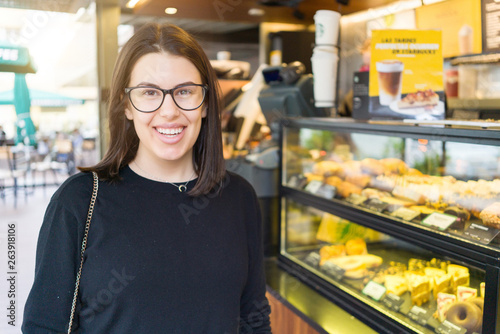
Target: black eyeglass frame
{"points": [[165, 93]]}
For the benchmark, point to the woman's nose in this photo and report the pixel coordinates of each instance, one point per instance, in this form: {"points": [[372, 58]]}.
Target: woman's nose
{"points": [[168, 108]]}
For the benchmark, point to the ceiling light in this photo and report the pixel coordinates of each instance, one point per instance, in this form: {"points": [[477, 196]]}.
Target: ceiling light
{"points": [[170, 10], [132, 3], [256, 12]]}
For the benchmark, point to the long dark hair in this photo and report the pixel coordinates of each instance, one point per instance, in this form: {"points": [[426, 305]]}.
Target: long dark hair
{"points": [[207, 151]]}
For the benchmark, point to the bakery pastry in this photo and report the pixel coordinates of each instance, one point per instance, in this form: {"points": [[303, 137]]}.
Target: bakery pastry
{"points": [[417, 265], [459, 276], [327, 252], [455, 269], [356, 266], [374, 193], [460, 279], [313, 177], [334, 181], [408, 194], [394, 166], [419, 287], [356, 247], [491, 215], [345, 189], [372, 166], [467, 315], [465, 293], [327, 168], [441, 284], [444, 302], [419, 99], [395, 284], [361, 180]]}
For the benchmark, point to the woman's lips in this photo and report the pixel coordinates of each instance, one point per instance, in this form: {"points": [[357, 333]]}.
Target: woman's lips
{"points": [[170, 132]]}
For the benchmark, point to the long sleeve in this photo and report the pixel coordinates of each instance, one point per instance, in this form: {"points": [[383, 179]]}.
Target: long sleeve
{"points": [[48, 305]]}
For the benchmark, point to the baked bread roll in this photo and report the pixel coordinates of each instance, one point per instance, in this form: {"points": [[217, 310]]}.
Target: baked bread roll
{"points": [[491, 215]]}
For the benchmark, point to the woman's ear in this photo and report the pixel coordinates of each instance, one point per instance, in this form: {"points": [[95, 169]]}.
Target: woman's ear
{"points": [[129, 114], [204, 112]]}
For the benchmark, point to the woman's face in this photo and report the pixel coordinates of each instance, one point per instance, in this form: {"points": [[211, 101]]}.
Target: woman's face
{"points": [[169, 133]]}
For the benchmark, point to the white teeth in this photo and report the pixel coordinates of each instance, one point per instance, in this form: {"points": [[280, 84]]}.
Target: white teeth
{"points": [[169, 131]]}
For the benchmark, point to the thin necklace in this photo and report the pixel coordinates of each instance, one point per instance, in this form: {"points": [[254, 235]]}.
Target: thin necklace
{"points": [[182, 188]]}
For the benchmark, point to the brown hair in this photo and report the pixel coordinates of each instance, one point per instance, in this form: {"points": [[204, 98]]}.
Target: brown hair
{"points": [[207, 151]]}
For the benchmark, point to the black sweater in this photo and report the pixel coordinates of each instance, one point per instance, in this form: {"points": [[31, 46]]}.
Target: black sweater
{"points": [[157, 260]]}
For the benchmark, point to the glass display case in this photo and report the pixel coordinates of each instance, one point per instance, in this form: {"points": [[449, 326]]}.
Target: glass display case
{"points": [[398, 224]]}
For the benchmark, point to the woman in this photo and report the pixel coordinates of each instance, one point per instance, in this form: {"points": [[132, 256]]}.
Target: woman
{"points": [[175, 240]]}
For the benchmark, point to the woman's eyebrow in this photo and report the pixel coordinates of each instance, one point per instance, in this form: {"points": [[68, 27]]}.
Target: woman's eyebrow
{"points": [[143, 83]]}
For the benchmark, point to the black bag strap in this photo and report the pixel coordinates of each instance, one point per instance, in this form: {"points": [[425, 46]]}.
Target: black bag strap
{"points": [[84, 246]]}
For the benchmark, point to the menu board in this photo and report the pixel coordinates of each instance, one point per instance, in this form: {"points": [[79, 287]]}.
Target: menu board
{"points": [[491, 25], [459, 22], [406, 75]]}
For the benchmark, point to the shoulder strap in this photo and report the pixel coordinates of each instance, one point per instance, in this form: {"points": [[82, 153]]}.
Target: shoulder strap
{"points": [[84, 246]]}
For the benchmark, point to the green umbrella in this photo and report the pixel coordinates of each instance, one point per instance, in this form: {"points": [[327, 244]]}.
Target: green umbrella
{"points": [[26, 132], [18, 60]]}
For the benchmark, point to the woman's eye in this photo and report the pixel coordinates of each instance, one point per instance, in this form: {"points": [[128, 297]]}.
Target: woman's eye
{"points": [[150, 92], [184, 92]]}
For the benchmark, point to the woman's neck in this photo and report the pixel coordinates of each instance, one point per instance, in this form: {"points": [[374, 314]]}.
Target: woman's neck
{"points": [[163, 170]]}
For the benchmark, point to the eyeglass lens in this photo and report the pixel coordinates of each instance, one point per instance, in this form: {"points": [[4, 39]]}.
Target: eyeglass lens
{"points": [[149, 99]]}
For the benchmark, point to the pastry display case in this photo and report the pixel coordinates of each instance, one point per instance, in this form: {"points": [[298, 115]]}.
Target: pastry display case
{"points": [[397, 224]]}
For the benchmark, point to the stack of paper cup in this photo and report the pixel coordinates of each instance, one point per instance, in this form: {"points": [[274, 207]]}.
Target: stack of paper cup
{"points": [[325, 58], [327, 27], [324, 66]]}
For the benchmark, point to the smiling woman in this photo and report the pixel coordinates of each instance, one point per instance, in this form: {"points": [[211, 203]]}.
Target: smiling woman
{"points": [[175, 242]]}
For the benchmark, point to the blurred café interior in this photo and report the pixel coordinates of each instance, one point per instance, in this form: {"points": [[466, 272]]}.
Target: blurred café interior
{"points": [[369, 130]]}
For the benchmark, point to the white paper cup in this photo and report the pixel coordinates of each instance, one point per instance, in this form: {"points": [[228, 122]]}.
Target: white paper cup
{"points": [[324, 67], [327, 27], [390, 79]]}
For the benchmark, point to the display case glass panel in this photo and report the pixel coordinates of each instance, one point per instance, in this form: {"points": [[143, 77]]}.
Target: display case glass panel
{"points": [[448, 187], [425, 291]]}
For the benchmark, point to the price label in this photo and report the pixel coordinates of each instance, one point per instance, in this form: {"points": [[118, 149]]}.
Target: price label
{"points": [[297, 181], [374, 290], [327, 191], [447, 327], [419, 315], [405, 213], [440, 220], [393, 301], [356, 199], [313, 259], [375, 204], [333, 270], [481, 233], [313, 186]]}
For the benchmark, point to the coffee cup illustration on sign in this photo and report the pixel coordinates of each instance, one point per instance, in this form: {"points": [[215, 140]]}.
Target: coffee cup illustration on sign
{"points": [[465, 40], [390, 75]]}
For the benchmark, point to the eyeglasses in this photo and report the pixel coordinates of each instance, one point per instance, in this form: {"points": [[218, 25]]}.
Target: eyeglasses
{"points": [[149, 99]]}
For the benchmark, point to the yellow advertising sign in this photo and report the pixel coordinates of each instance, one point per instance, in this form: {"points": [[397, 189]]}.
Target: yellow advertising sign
{"points": [[406, 74], [459, 21]]}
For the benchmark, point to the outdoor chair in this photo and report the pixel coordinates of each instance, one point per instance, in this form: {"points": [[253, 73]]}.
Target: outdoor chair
{"points": [[14, 168]]}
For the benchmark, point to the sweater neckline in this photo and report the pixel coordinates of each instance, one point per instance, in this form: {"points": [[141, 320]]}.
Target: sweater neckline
{"points": [[164, 187]]}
